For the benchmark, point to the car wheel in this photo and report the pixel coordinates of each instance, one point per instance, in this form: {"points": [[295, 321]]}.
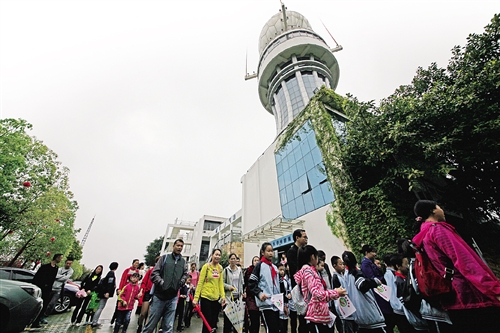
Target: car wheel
{"points": [[63, 304]]}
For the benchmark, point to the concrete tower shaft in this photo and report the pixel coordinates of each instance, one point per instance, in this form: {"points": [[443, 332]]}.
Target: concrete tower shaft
{"points": [[294, 61]]}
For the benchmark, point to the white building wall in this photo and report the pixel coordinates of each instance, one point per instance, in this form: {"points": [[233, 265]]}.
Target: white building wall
{"points": [[320, 235]]}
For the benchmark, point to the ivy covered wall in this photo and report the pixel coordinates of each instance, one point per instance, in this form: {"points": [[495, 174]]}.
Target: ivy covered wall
{"points": [[356, 217]]}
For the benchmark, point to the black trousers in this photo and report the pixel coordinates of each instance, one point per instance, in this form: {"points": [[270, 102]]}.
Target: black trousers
{"points": [[210, 310], [80, 307], [403, 325], [188, 314], [254, 321], [271, 320], [302, 324], [179, 312], [283, 326], [293, 321]]}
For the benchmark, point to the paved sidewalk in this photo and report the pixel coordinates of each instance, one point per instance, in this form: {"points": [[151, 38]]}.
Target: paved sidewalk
{"points": [[59, 323]]}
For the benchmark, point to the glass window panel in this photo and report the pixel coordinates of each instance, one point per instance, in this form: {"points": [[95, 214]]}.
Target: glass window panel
{"points": [[294, 174], [283, 197], [311, 138], [302, 132], [322, 171], [296, 189], [315, 177], [318, 199], [291, 158], [316, 155], [299, 205], [281, 182], [285, 211], [304, 147], [327, 192], [301, 167], [308, 202], [295, 95], [289, 193], [281, 101], [308, 160], [284, 162], [297, 154], [278, 157], [279, 168], [303, 184], [287, 179], [292, 210]]}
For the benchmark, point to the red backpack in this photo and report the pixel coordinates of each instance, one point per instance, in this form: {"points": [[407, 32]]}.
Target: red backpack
{"points": [[431, 283]]}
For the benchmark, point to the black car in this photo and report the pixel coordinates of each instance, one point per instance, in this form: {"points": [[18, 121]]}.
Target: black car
{"points": [[20, 304], [25, 275]]}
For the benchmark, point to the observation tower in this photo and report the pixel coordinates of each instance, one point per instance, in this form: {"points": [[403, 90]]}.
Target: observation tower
{"points": [[294, 62]]}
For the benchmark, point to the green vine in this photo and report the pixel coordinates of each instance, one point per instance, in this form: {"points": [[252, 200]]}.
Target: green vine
{"points": [[355, 217]]}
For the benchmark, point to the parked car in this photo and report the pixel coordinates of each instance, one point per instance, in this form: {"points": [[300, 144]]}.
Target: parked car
{"points": [[20, 304], [25, 275]]}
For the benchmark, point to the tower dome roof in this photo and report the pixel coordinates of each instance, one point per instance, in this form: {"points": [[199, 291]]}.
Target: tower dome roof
{"points": [[275, 27]]}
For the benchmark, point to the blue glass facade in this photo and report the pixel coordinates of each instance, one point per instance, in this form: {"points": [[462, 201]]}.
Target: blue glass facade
{"points": [[302, 181], [295, 96]]}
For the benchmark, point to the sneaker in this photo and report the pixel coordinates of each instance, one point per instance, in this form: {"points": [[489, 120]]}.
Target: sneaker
{"points": [[77, 324], [44, 321], [36, 325]]}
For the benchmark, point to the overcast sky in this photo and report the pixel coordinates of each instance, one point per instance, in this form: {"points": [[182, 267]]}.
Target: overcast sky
{"points": [[145, 101]]}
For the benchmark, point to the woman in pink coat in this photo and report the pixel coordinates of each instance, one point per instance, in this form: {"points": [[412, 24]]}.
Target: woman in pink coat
{"points": [[474, 303]]}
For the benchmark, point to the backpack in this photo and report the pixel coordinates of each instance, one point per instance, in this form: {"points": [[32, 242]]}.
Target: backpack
{"points": [[431, 283], [299, 302], [411, 295]]}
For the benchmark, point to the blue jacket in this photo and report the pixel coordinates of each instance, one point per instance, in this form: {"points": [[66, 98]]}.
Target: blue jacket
{"points": [[261, 281]]}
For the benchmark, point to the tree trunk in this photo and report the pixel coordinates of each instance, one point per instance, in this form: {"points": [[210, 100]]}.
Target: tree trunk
{"points": [[21, 250]]}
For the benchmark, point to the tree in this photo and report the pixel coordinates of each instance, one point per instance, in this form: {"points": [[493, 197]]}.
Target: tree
{"points": [[37, 210], [435, 138], [153, 250]]}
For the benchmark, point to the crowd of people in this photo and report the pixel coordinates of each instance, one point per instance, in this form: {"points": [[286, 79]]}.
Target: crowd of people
{"points": [[313, 297]]}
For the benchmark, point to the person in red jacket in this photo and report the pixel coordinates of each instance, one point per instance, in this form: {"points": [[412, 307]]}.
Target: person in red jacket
{"points": [[126, 300], [474, 303], [146, 286], [124, 280]]}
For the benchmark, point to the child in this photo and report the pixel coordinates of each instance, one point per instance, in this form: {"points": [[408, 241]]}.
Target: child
{"points": [[292, 313], [264, 283], [368, 315], [337, 278], [286, 290], [393, 261], [317, 316], [126, 301], [181, 301], [189, 304], [320, 268]]}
